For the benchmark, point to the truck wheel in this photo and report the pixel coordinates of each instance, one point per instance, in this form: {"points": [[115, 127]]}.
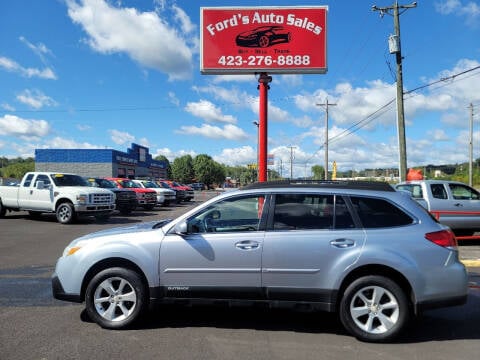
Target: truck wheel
{"points": [[374, 309], [3, 211], [115, 298], [148, 207], [65, 213]]}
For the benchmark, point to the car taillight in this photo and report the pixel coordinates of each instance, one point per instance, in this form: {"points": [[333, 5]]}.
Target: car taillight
{"points": [[444, 238]]}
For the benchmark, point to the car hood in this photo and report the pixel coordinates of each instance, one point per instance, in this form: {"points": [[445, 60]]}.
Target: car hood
{"points": [[137, 228]]}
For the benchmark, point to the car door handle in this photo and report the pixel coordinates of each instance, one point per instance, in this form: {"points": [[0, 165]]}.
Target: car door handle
{"points": [[458, 204], [342, 243], [247, 245]]}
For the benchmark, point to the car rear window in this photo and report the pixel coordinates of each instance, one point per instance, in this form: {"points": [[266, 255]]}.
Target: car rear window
{"points": [[379, 213]]}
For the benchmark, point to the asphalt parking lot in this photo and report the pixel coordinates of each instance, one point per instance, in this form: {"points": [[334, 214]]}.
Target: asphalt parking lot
{"points": [[33, 325]]}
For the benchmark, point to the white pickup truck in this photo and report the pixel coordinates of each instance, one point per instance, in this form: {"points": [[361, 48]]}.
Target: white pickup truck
{"points": [[67, 195]]}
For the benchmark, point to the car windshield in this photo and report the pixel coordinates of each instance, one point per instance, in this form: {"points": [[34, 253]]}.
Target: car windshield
{"points": [[107, 184], [150, 184], [130, 184], [69, 180], [164, 185]]}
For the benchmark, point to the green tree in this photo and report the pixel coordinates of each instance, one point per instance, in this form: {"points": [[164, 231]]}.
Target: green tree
{"points": [[182, 169], [208, 171], [318, 172], [169, 166], [16, 170]]}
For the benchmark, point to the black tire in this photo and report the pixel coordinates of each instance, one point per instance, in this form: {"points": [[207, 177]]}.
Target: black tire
{"points": [[374, 309], [149, 207], [124, 296], [65, 213], [3, 211]]}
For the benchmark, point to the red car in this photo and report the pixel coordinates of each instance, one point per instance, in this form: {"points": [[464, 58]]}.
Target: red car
{"points": [[146, 198], [189, 193], [263, 36]]}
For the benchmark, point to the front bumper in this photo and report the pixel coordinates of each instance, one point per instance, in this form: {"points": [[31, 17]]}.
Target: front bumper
{"points": [[59, 293]]}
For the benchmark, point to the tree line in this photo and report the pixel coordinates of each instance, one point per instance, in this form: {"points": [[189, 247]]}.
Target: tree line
{"points": [[202, 168]]}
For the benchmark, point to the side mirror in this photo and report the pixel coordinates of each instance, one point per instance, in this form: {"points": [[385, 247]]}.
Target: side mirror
{"points": [[181, 228]]}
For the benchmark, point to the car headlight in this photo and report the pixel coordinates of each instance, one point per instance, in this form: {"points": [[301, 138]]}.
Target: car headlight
{"points": [[82, 199]]}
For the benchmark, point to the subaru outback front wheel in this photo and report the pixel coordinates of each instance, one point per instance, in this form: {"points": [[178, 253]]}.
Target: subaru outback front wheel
{"points": [[116, 298], [374, 309]]}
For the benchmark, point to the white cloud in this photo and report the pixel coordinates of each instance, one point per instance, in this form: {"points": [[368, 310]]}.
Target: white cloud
{"points": [[144, 36], [209, 112], [228, 132], [237, 156], [468, 9], [12, 66], [11, 125], [171, 155], [35, 99], [7, 107], [40, 49], [121, 137]]}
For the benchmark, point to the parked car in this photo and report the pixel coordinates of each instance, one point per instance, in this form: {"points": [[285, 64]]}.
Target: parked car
{"points": [[68, 196], [451, 201], [180, 193], [146, 198], [364, 250], [164, 196], [125, 199], [196, 186], [188, 191]]}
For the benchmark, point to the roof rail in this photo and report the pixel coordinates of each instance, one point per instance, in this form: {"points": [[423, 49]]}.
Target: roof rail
{"points": [[339, 184]]}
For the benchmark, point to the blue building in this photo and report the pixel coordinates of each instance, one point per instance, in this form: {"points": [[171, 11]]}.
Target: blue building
{"points": [[136, 162]]}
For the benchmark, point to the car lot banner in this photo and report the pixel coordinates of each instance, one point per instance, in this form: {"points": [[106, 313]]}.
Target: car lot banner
{"points": [[247, 40]]}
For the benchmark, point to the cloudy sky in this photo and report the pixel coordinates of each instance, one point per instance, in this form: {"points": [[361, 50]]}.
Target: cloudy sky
{"points": [[106, 74]]}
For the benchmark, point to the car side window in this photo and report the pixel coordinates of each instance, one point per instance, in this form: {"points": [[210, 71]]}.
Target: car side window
{"points": [[43, 178], [307, 211], [438, 191], [28, 180], [229, 215], [414, 189], [379, 213], [463, 192]]}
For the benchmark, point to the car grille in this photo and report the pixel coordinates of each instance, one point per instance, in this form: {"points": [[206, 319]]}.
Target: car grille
{"points": [[126, 195], [100, 198]]}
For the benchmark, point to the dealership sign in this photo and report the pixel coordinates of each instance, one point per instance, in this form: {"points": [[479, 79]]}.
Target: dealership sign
{"points": [[263, 39]]}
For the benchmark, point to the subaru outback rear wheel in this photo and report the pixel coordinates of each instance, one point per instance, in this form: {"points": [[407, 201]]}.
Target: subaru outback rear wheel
{"points": [[374, 308], [116, 298]]}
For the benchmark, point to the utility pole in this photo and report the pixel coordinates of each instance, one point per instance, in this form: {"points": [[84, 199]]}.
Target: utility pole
{"points": [[470, 149], [291, 161], [395, 48], [325, 144]]}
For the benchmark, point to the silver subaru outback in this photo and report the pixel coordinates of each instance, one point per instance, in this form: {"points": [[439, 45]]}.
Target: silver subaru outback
{"points": [[361, 249]]}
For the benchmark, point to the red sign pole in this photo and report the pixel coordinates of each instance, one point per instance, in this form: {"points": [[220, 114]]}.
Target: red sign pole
{"points": [[263, 87]]}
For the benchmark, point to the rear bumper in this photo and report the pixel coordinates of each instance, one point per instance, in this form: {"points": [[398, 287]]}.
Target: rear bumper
{"points": [[440, 303]]}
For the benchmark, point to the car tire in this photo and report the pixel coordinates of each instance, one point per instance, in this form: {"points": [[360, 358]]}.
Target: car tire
{"points": [[374, 309], [263, 41], [65, 213], [149, 207], [116, 298], [3, 210]]}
